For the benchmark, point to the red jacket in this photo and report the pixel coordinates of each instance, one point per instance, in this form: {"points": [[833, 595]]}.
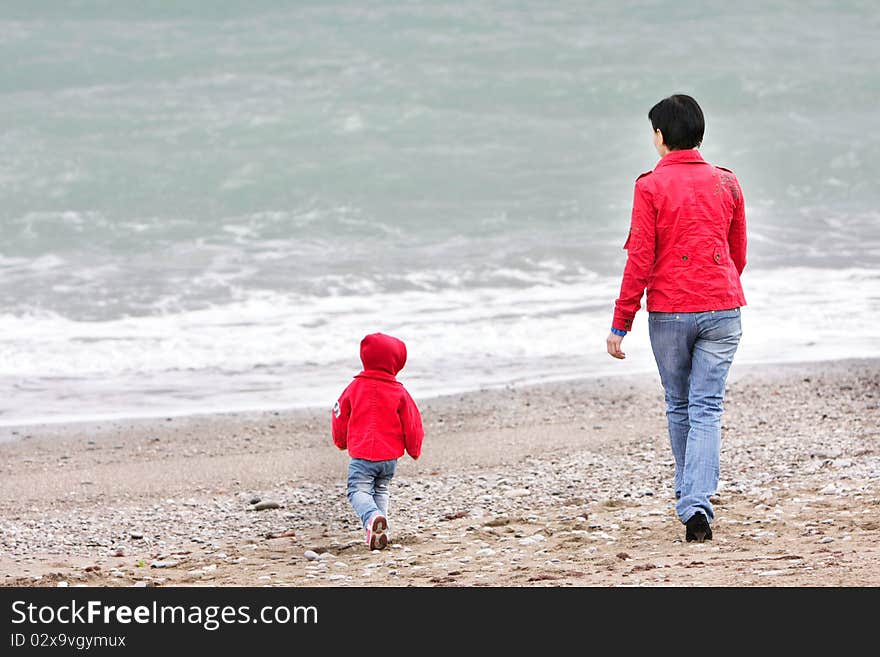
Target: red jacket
{"points": [[687, 240], [375, 418]]}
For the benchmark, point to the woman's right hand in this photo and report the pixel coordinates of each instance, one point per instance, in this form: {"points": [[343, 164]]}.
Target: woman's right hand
{"points": [[614, 343]]}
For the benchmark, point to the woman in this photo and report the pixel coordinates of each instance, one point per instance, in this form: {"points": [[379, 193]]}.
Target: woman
{"points": [[687, 246]]}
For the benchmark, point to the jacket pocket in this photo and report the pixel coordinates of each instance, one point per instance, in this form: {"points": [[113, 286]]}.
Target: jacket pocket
{"points": [[632, 241], [720, 254]]}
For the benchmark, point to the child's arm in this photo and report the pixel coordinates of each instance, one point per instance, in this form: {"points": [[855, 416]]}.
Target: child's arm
{"points": [[411, 421], [339, 421]]}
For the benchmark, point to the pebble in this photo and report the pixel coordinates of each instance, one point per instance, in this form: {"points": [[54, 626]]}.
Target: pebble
{"points": [[164, 564], [498, 522], [519, 492], [826, 539], [485, 552], [263, 506], [531, 540], [139, 585], [118, 552], [830, 489], [136, 535], [254, 500], [311, 555], [62, 584]]}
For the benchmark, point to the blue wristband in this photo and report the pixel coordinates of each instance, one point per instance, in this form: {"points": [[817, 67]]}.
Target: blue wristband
{"points": [[617, 331]]}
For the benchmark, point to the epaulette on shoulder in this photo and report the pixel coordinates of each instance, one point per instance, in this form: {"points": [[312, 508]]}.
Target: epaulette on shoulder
{"points": [[724, 169], [647, 173]]}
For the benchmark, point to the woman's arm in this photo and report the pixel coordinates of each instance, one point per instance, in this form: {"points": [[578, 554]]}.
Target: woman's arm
{"points": [[640, 257], [736, 237]]}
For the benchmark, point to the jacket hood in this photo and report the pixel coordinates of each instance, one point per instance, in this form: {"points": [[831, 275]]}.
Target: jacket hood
{"points": [[383, 353]]}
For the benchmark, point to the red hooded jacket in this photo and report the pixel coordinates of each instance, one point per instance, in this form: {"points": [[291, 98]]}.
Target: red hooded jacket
{"points": [[375, 418], [687, 240]]}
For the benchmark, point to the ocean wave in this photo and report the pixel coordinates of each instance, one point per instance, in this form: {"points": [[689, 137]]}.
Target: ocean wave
{"points": [[272, 350]]}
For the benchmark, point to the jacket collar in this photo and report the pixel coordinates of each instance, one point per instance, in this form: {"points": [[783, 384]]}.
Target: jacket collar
{"points": [[688, 156], [376, 374]]}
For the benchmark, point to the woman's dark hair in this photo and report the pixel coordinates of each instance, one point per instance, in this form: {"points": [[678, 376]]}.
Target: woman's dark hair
{"points": [[680, 119]]}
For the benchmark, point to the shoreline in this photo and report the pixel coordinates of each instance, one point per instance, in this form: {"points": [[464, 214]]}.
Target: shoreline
{"points": [[112, 422], [543, 484], [530, 334]]}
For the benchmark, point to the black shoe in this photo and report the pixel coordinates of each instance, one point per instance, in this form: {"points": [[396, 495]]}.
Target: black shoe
{"points": [[698, 529]]}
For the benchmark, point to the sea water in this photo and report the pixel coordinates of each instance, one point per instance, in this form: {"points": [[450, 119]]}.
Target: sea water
{"points": [[205, 205]]}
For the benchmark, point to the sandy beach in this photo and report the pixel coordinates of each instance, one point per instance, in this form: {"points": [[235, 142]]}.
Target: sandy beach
{"points": [[562, 484]]}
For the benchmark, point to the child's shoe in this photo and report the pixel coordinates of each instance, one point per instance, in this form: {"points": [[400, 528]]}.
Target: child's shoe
{"points": [[376, 538]]}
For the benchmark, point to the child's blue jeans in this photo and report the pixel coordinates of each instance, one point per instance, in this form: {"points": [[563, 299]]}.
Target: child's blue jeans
{"points": [[368, 487]]}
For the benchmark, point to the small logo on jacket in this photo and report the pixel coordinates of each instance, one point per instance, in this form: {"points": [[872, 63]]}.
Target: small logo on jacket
{"points": [[336, 410]]}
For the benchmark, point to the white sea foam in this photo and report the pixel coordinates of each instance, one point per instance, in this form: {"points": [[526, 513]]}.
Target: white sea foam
{"points": [[270, 350], [353, 123]]}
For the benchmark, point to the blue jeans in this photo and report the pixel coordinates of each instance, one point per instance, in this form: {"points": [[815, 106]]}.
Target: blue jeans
{"points": [[368, 487], [693, 353]]}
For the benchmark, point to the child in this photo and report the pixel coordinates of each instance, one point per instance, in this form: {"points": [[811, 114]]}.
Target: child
{"points": [[376, 419]]}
